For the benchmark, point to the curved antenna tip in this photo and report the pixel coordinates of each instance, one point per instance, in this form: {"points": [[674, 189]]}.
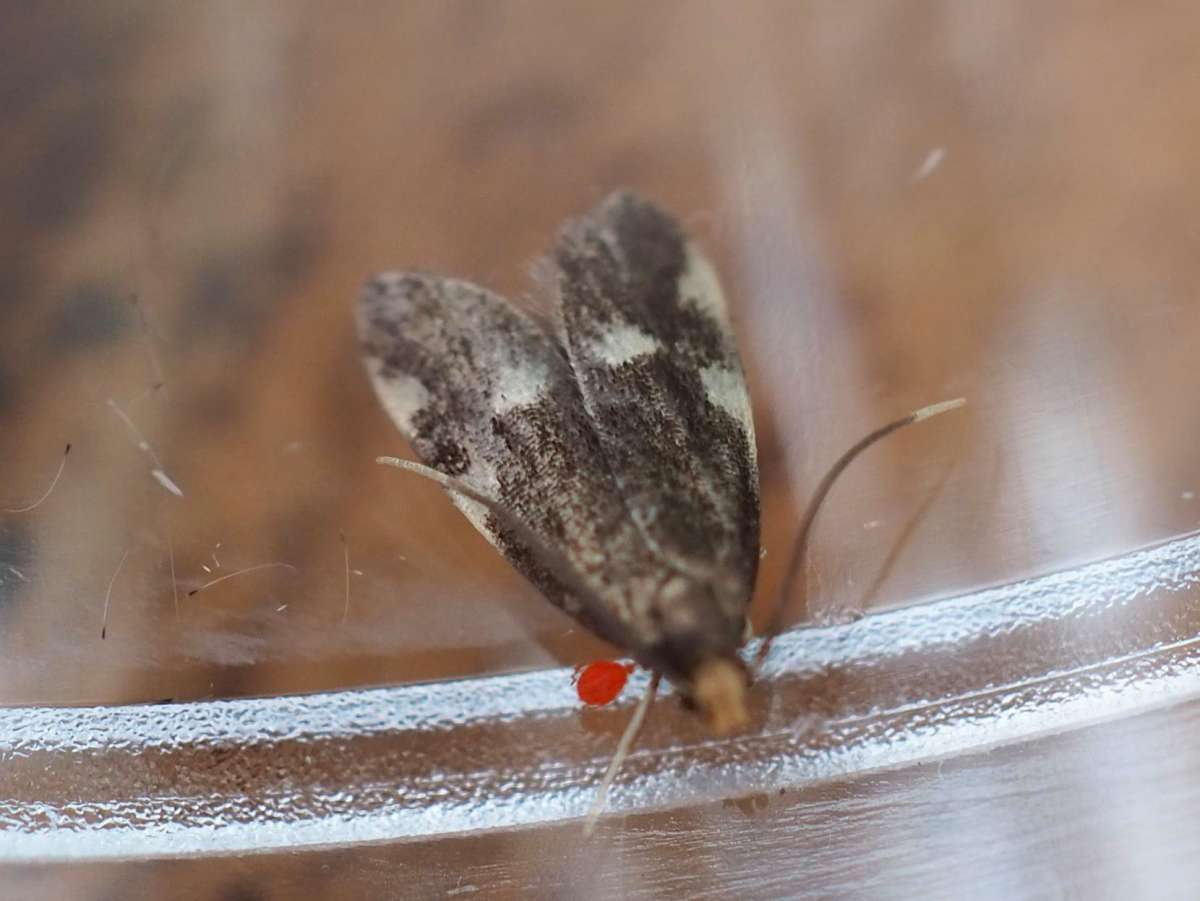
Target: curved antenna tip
{"points": [[936, 409], [823, 488]]}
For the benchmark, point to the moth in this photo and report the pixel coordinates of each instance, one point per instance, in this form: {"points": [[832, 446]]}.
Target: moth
{"points": [[609, 453]]}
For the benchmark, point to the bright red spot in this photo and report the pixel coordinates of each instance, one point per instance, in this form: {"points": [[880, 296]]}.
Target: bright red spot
{"points": [[599, 683]]}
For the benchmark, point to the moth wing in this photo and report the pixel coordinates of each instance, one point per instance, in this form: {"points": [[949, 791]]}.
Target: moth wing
{"points": [[648, 335], [482, 393]]}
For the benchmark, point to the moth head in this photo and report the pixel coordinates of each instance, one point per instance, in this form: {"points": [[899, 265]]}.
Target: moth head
{"points": [[701, 633], [719, 693]]}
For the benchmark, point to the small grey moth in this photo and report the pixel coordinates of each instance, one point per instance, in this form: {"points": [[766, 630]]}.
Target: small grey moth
{"points": [[609, 455], [621, 438]]}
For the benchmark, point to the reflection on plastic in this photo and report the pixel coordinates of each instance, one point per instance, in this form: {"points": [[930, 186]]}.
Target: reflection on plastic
{"points": [[998, 665]]}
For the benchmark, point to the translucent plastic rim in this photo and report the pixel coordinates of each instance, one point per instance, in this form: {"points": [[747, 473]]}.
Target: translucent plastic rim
{"points": [[417, 762]]}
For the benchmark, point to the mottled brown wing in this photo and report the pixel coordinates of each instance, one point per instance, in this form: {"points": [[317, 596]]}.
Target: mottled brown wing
{"points": [[484, 394], [648, 335]]}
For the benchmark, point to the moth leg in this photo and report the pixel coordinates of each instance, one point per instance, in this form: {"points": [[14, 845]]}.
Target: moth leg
{"points": [[800, 547], [623, 747]]}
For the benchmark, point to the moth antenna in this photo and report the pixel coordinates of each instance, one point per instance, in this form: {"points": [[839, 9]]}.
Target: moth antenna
{"points": [[623, 747], [800, 547], [548, 556], [565, 573], [62, 464]]}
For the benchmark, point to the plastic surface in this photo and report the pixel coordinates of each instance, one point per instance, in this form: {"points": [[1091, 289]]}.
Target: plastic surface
{"points": [[425, 761]]}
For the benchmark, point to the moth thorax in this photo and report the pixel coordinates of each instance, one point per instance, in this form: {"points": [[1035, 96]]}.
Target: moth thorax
{"points": [[719, 690]]}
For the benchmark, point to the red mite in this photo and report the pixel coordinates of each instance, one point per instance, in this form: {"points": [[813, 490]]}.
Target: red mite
{"points": [[601, 682]]}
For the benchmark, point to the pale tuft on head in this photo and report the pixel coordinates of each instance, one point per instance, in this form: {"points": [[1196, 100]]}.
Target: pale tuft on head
{"points": [[719, 690]]}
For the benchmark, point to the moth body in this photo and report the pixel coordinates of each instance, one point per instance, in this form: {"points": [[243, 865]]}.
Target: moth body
{"points": [[611, 453]]}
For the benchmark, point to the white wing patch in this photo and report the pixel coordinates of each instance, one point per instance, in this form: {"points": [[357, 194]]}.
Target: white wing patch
{"points": [[402, 395], [726, 388], [518, 387], [476, 514], [622, 343], [699, 283]]}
